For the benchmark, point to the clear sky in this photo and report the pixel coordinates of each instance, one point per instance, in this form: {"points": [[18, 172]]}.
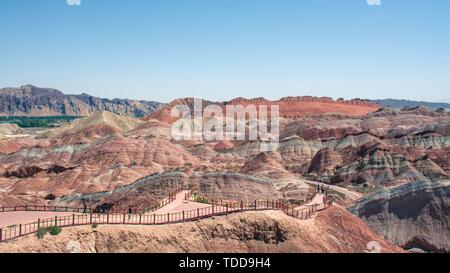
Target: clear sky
{"points": [[221, 49]]}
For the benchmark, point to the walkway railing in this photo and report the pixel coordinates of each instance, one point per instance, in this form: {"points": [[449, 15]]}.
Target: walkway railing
{"points": [[45, 208], [41, 208], [217, 208], [303, 213]]}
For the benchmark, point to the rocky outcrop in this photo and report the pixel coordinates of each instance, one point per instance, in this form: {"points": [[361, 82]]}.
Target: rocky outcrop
{"points": [[30, 171], [90, 128], [414, 215], [7, 129], [233, 186], [266, 163], [325, 163], [23, 172], [375, 164], [30, 100], [331, 231]]}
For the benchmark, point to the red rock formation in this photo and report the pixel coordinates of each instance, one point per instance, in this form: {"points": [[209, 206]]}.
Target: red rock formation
{"points": [[293, 107], [223, 145], [325, 161], [268, 164]]}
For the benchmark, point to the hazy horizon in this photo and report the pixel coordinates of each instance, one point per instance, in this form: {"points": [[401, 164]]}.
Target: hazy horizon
{"points": [[219, 50]]}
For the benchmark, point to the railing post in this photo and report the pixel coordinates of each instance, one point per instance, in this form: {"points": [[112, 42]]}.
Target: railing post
{"points": [[39, 223], [124, 218], [1, 234], [255, 205], [242, 205], [73, 219], [107, 217], [20, 229], [90, 218], [227, 207], [183, 215], [168, 217], [198, 213], [212, 209], [140, 219], [26, 207]]}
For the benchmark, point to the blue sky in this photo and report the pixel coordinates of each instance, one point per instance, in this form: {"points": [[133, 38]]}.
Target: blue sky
{"points": [[221, 49]]}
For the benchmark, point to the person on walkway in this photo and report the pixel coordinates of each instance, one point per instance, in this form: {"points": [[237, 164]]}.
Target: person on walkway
{"points": [[130, 211], [84, 207]]}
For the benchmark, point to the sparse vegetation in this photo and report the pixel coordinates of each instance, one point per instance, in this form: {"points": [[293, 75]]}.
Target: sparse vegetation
{"points": [[53, 230], [50, 196], [200, 199], [41, 233], [366, 190], [37, 122]]}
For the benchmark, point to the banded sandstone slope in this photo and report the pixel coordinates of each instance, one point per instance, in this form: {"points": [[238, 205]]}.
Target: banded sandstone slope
{"points": [[415, 215]]}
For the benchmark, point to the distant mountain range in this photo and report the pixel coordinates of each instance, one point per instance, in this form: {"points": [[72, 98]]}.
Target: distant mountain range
{"points": [[399, 104], [30, 100]]}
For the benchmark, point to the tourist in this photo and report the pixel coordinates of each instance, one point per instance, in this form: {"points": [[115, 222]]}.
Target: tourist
{"points": [[130, 211], [84, 207]]}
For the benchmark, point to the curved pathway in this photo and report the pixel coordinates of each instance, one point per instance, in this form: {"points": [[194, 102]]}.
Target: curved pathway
{"points": [[19, 223], [180, 205], [353, 195]]}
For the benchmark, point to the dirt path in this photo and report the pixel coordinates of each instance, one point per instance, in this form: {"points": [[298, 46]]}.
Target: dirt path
{"points": [[179, 205], [350, 194]]}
